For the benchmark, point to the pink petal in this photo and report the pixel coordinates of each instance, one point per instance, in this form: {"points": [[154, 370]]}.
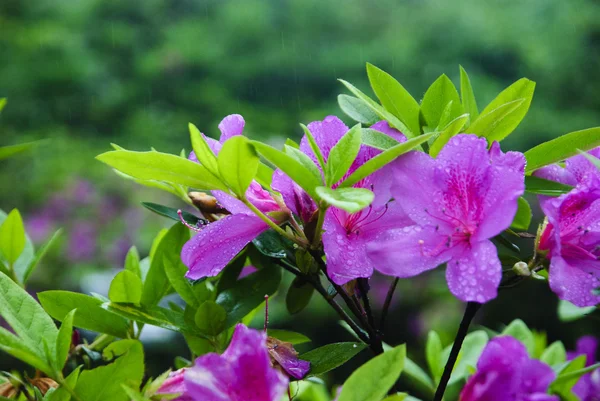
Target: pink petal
{"points": [[210, 250], [346, 253], [231, 203], [294, 197], [210, 379], [326, 133], [475, 276], [573, 284], [410, 251], [384, 126], [258, 196], [230, 126], [556, 173]]}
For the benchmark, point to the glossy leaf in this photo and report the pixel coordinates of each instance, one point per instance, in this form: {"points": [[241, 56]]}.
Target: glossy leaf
{"points": [[565, 381], [522, 219], [555, 354], [357, 109], [288, 336], [467, 95], [490, 124], [126, 287], [377, 139], [210, 318], [132, 262], [155, 316], [314, 146], [238, 164], [519, 330], [203, 153], [349, 199], [540, 186], [162, 167], [12, 237], [300, 174], [26, 317], [175, 271], [561, 148], [331, 356], [381, 112], [382, 159], [435, 100], [433, 354], [172, 214], [567, 312], [342, 155], [13, 345], [416, 377], [89, 316], [264, 175], [273, 245], [63, 340], [303, 159], [472, 348], [372, 381], [394, 97], [453, 128], [298, 295]]}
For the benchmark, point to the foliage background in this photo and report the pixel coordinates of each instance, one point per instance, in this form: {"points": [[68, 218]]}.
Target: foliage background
{"points": [[84, 73]]}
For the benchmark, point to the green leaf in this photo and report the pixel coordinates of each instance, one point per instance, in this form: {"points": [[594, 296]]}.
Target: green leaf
{"points": [[39, 255], [372, 380], [176, 274], [175, 189], [14, 346], [314, 146], [12, 237], [61, 393], [467, 95], [594, 160], [468, 356], [264, 175], [106, 382], [203, 153], [26, 317], [453, 128], [357, 109], [377, 139], [381, 112], [349, 199], [11, 150], [132, 262], [342, 155], [416, 377], [522, 219], [540, 186], [238, 164], [89, 316], [561, 148], [382, 159], [519, 330], [273, 245], [522, 89], [490, 124], [63, 340], [555, 354], [567, 312], [433, 353], [2, 103], [300, 174], [435, 100], [162, 167], [210, 318], [156, 285], [298, 295], [172, 214], [330, 356], [568, 377], [303, 159], [394, 97], [288, 336], [248, 293], [155, 316], [126, 287]]}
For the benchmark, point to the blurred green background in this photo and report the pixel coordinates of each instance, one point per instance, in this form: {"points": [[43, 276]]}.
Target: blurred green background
{"points": [[85, 73]]}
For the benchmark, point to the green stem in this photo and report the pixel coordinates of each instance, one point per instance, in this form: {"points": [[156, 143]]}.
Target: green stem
{"points": [[271, 223], [319, 227], [63, 383]]}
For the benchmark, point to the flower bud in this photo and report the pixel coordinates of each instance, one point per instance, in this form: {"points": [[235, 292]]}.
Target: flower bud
{"points": [[522, 269]]}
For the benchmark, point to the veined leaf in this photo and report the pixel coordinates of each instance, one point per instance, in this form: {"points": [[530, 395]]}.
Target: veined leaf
{"points": [[394, 97], [203, 153], [126, 287], [342, 155], [453, 128], [162, 167], [490, 124], [435, 100], [357, 109], [63, 340], [238, 164], [303, 159], [561, 148], [467, 95], [330, 356], [377, 139], [349, 199]]}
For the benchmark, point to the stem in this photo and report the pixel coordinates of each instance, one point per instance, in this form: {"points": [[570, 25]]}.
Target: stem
{"points": [[319, 227], [63, 383], [362, 286], [271, 223], [387, 303], [463, 328]]}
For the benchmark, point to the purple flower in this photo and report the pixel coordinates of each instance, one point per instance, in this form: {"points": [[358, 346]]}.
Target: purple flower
{"points": [[456, 202], [284, 355], [175, 384], [572, 241], [506, 373], [82, 242], [242, 373], [578, 169], [588, 387], [211, 249]]}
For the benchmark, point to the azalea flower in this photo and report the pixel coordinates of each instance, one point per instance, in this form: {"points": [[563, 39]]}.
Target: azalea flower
{"points": [[215, 245], [578, 169], [506, 373], [285, 356], [242, 373], [346, 234], [572, 242], [456, 203], [588, 387]]}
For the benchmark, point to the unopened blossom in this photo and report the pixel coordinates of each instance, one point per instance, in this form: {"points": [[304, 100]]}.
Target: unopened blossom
{"points": [[456, 203], [506, 373], [571, 240], [284, 355], [345, 234], [242, 373], [215, 245], [588, 386]]}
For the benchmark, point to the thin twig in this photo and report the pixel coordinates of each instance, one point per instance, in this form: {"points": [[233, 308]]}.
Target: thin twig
{"points": [[364, 293], [387, 303], [463, 328]]}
